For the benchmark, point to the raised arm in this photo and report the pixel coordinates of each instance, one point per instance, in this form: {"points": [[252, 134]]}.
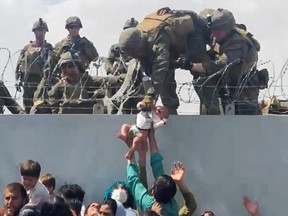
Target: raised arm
{"points": [[140, 193], [156, 158], [190, 206]]}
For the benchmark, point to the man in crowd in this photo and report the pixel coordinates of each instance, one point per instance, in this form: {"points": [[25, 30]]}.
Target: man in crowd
{"points": [[73, 194], [15, 197]]}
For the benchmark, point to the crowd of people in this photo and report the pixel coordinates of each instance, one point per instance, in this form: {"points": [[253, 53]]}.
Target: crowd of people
{"points": [[220, 54], [36, 195]]}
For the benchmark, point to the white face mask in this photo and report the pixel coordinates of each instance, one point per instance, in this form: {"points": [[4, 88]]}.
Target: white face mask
{"points": [[120, 195]]}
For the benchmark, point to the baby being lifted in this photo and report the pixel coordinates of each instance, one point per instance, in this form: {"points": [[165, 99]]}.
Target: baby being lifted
{"points": [[150, 116]]}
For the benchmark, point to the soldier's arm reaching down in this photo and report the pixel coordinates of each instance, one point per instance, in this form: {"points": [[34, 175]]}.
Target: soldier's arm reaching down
{"points": [[160, 61]]}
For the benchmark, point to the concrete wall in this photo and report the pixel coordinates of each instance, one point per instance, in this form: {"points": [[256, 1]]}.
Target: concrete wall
{"points": [[226, 157]]}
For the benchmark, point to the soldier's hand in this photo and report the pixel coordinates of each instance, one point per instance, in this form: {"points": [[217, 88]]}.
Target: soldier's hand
{"points": [[175, 64], [185, 63], [163, 11]]}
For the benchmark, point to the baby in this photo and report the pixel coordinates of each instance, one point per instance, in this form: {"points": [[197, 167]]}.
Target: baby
{"points": [[148, 117]]}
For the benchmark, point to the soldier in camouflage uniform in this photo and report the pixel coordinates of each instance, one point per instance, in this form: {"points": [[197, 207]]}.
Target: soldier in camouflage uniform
{"points": [[75, 88], [79, 47], [116, 63], [156, 43], [7, 100], [29, 69], [241, 53]]}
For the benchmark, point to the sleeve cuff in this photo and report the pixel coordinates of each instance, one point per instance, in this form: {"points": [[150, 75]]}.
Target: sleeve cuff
{"points": [[155, 157]]}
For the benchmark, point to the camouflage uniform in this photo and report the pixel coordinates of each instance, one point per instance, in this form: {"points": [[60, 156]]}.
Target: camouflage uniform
{"points": [[155, 43], [66, 94], [29, 69], [116, 63], [7, 100], [79, 47], [239, 49]]}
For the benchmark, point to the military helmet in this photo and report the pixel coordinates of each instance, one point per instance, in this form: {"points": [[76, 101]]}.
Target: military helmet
{"points": [[207, 12], [130, 41], [130, 23], [223, 19], [40, 23], [241, 26], [67, 57], [73, 20]]}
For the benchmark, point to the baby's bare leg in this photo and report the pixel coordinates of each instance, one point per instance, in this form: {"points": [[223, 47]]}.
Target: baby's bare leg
{"points": [[124, 132]]}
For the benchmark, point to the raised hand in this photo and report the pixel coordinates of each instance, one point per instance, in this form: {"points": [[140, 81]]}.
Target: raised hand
{"points": [[251, 206], [178, 172], [156, 207]]}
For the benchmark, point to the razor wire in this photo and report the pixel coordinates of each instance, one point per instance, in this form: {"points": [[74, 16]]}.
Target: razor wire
{"points": [[185, 90]]}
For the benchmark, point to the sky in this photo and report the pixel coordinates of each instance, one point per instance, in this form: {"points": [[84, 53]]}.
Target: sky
{"points": [[103, 20]]}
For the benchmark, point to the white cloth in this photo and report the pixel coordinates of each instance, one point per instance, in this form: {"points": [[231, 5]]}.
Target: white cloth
{"points": [[120, 211], [82, 210], [130, 212], [145, 120], [38, 195]]}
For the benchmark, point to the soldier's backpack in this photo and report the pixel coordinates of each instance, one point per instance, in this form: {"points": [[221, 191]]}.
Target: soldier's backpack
{"points": [[260, 77], [248, 35], [178, 27]]}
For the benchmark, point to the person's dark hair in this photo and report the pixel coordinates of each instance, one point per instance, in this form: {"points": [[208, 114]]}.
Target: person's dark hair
{"points": [[208, 212], [73, 195], [75, 205], [112, 205], [55, 209], [29, 211], [164, 189], [30, 168], [48, 180], [15, 186], [72, 191], [150, 213]]}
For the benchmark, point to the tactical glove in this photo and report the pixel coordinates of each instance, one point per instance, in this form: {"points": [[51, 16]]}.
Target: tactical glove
{"points": [[163, 11], [175, 64], [185, 64]]}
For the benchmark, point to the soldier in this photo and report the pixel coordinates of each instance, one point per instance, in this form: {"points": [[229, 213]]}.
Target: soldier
{"points": [[237, 63], [155, 42], [76, 87], [79, 47], [7, 100], [29, 69], [116, 63]]}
